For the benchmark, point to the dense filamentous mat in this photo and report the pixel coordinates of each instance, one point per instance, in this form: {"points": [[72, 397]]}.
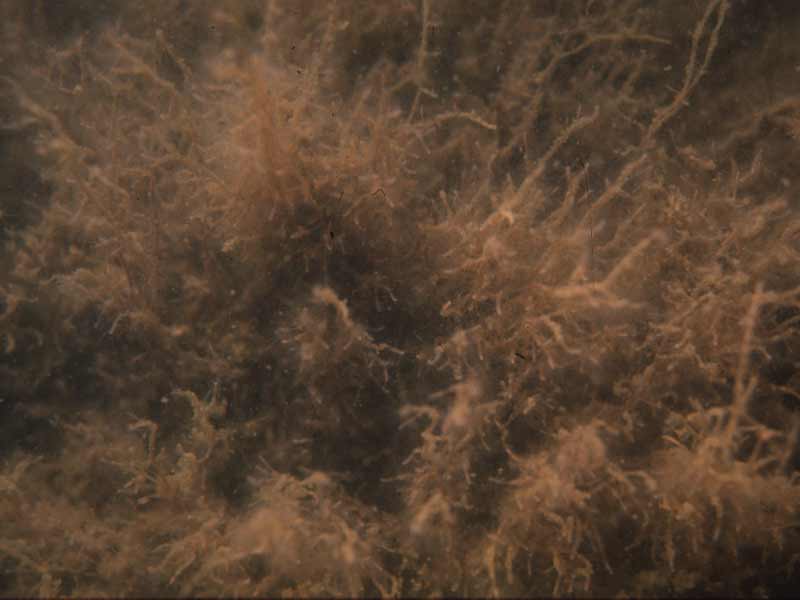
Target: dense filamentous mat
{"points": [[399, 298]]}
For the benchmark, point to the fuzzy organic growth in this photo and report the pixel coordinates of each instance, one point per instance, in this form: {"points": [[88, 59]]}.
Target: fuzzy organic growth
{"points": [[399, 298]]}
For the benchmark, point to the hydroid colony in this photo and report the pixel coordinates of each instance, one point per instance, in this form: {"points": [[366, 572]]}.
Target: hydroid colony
{"points": [[417, 298]]}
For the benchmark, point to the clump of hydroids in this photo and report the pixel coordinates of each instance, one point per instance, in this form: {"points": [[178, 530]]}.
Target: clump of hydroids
{"points": [[398, 298]]}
